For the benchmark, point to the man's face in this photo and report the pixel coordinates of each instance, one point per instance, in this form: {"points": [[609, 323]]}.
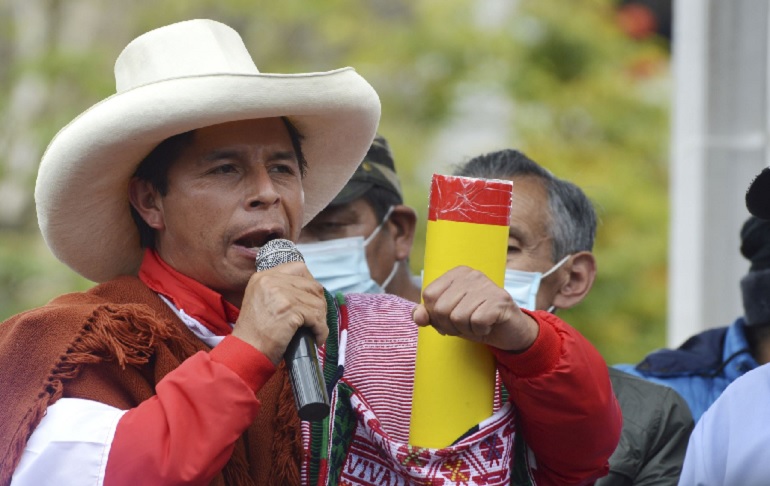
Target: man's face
{"points": [[529, 243], [356, 218], [236, 186]]}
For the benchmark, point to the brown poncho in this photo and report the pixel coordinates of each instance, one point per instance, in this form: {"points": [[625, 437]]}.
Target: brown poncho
{"points": [[113, 344]]}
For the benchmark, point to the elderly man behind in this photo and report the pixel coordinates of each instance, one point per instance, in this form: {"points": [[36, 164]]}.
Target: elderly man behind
{"points": [[170, 370], [550, 266]]}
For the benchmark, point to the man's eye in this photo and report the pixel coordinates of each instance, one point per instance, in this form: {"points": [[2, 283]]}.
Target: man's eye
{"points": [[223, 169], [513, 249], [283, 169]]}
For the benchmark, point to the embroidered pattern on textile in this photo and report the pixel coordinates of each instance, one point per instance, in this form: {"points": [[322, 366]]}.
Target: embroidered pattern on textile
{"points": [[374, 458]]}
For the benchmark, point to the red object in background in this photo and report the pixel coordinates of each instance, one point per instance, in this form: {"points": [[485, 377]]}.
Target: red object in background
{"points": [[637, 20], [641, 19]]}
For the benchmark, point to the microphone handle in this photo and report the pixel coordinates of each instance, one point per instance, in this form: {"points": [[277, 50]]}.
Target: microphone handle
{"points": [[307, 380]]}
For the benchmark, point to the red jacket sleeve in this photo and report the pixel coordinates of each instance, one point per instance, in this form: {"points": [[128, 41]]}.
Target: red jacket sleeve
{"points": [[186, 433], [568, 414]]}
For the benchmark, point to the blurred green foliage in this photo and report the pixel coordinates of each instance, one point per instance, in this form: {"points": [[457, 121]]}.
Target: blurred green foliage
{"points": [[588, 103], [600, 109]]}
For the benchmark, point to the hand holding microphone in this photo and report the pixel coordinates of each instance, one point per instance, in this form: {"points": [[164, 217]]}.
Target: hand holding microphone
{"points": [[301, 355]]}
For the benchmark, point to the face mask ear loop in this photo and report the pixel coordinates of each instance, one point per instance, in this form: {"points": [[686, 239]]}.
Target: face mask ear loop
{"points": [[555, 267], [389, 278], [379, 227], [552, 308]]}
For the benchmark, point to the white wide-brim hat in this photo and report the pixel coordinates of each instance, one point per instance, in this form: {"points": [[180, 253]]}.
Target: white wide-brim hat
{"points": [[171, 80]]}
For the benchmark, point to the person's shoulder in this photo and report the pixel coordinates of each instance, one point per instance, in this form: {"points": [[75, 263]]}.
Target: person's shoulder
{"points": [[633, 391], [118, 290], [625, 369], [64, 303], [75, 307], [622, 379], [651, 411]]}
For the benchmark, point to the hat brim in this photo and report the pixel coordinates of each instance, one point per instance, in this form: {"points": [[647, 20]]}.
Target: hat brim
{"points": [[81, 192], [758, 195]]}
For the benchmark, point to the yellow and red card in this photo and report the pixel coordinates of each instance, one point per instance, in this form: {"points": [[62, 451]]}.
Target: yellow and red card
{"points": [[468, 221]]}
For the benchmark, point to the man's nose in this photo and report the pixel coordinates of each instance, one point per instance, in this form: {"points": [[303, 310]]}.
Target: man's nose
{"points": [[261, 190]]}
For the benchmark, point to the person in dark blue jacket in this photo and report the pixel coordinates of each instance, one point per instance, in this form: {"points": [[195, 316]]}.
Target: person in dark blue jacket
{"points": [[729, 444], [702, 367]]}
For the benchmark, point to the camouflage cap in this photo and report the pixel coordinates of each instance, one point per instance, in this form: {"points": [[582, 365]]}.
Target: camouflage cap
{"points": [[377, 169]]}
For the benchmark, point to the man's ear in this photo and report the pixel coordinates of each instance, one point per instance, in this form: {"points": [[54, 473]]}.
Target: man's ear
{"points": [[401, 224], [582, 272], [147, 202]]}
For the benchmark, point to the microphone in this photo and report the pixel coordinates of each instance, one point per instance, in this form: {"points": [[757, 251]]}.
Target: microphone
{"points": [[301, 356]]}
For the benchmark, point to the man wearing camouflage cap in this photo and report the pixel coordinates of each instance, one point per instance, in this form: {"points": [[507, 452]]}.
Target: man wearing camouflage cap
{"points": [[362, 240]]}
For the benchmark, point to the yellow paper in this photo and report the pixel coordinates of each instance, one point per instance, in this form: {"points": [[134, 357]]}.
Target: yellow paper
{"points": [[455, 378]]}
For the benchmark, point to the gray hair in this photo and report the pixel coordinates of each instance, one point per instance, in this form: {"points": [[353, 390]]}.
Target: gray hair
{"points": [[573, 218]]}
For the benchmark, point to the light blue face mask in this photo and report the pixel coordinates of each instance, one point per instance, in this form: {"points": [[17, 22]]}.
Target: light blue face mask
{"points": [[523, 286], [340, 264]]}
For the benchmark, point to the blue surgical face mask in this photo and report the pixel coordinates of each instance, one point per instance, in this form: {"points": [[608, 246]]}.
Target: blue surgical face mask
{"points": [[340, 264], [523, 286]]}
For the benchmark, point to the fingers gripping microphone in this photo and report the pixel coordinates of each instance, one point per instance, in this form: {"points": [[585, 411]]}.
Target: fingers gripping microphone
{"points": [[307, 381]]}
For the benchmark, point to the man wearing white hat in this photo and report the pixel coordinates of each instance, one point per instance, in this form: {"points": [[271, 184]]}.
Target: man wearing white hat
{"points": [[170, 370]]}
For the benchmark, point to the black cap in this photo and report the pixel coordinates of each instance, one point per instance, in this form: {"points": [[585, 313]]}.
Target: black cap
{"points": [[758, 195], [755, 243], [377, 169], [755, 285]]}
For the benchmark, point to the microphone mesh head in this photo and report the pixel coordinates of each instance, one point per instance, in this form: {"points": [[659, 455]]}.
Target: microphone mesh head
{"points": [[277, 252]]}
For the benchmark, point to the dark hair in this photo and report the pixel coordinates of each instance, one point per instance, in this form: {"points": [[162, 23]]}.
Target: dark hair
{"points": [[296, 143], [573, 218], [154, 169]]}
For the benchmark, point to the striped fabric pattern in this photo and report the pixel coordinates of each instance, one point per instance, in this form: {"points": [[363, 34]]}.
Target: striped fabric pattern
{"points": [[380, 357]]}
